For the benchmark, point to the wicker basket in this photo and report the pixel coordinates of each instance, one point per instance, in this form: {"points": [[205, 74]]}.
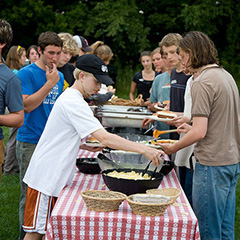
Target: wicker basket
{"points": [[148, 209], [103, 201], [173, 193]]}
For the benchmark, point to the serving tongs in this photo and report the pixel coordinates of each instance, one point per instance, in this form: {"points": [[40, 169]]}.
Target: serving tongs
{"points": [[146, 169], [154, 171], [104, 157]]}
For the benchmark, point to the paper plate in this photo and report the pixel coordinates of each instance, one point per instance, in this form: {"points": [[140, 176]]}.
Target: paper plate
{"points": [[159, 119]]}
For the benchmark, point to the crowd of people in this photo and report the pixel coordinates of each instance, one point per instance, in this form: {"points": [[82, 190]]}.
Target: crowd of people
{"points": [[45, 97]]}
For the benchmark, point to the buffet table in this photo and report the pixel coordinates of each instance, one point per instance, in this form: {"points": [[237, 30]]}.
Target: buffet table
{"points": [[71, 219]]}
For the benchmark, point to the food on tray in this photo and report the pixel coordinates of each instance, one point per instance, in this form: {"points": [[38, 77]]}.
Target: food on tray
{"points": [[160, 105], [147, 198], [109, 88], [165, 103], [166, 114], [156, 142], [163, 106], [92, 140], [120, 101], [134, 109], [128, 175]]}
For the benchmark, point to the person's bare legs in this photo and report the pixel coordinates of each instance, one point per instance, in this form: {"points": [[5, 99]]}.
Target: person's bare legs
{"points": [[34, 236]]}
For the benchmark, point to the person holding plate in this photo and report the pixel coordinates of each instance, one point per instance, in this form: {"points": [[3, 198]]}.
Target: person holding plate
{"points": [[216, 132]]}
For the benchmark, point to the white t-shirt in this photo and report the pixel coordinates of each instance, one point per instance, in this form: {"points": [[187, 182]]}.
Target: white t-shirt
{"points": [[183, 155], [103, 89], [53, 162]]}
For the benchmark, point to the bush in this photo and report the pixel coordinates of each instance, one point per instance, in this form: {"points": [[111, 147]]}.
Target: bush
{"points": [[234, 69]]}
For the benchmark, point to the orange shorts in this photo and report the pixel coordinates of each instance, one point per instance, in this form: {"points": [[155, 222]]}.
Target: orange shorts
{"points": [[38, 208]]}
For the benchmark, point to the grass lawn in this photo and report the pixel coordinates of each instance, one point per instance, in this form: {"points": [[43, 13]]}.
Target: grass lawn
{"points": [[9, 198]]}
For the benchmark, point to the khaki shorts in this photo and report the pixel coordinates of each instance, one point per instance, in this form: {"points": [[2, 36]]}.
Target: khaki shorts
{"points": [[38, 208], [2, 153]]}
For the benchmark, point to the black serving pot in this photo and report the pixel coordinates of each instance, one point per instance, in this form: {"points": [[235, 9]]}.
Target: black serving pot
{"points": [[88, 165], [131, 186], [167, 167]]}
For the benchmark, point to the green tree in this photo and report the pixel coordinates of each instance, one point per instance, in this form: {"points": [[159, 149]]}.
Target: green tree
{"points": [[121, 25], [129, 26], [218, 19]]}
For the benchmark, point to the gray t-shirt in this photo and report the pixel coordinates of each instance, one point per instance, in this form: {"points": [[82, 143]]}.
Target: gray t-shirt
{"points": [[10, 92], [216, 97]]}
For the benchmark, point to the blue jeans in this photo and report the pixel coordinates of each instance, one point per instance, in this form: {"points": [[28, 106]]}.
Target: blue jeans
{"points": [[214, 191], [24, 153], [186, 176]]}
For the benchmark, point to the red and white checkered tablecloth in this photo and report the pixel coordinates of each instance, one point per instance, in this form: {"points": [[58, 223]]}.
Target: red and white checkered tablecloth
{"points": [[87, 154], [71, 219]]}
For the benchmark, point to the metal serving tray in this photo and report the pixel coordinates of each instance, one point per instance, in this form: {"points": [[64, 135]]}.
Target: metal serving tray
{"points": [[122, 116], [123, 159], [110, 119], [124, 109]]}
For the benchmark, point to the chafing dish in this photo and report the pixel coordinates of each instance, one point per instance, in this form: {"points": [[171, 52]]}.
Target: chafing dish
{"points": [[122, 116]]}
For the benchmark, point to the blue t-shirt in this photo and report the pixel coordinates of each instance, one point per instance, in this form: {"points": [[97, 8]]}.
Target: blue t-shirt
{"points": [[160, 88], [160, 93], [10, 92], [33, 78]]}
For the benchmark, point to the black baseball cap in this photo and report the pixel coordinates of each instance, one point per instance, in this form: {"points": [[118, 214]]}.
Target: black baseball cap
{"points": [[82, 43], [95, 65]]}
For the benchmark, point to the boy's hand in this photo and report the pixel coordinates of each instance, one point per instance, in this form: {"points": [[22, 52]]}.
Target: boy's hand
{"points": [[168, 148], [178, 121], [184, 128], [52, 76], [146, 121], [154, 155]]}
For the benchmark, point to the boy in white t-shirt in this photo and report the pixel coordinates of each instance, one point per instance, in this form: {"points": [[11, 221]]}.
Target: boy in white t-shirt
{"points": [[52, 165]]}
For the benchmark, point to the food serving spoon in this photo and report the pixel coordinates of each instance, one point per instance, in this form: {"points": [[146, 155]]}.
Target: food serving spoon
{"points": [[156, 132]]}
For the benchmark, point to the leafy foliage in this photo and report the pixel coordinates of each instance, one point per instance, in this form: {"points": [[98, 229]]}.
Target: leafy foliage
{"points": [[128, 26]]}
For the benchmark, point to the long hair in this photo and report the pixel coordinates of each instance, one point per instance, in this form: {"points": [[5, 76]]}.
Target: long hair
{"points": [[200, 48], [102, 50], [13, 57]]}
